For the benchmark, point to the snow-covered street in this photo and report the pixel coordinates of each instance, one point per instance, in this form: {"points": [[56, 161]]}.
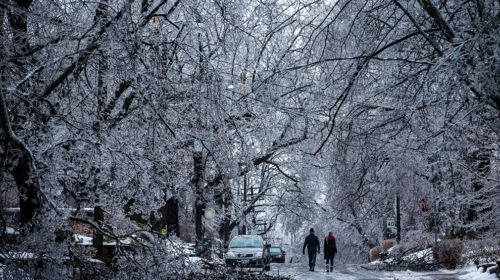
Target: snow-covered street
{"points": [[299, 271]]}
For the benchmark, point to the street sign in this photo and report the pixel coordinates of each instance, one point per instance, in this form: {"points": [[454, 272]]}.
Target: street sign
{"points": [[424, 205], [391, 224]]}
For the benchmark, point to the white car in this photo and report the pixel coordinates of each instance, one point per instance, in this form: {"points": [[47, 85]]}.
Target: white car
{"points": [[248, 250]]}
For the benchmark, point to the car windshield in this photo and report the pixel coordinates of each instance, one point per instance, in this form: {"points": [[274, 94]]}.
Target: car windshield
{"points": [[275, 250], [246, 242]]}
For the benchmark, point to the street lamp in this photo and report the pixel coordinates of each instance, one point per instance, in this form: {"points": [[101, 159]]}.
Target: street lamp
{"points": [[209, 213]]}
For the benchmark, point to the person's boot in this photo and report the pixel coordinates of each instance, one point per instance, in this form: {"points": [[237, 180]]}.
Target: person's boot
{"points": [[327, 268], [312, 268], [331, 268]]}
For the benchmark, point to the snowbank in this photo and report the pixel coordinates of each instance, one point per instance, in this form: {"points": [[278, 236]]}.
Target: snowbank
{"points": [[472, 273]]}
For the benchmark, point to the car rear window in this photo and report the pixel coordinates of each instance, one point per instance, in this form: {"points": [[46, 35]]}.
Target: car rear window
{"points": [[246, 242], [275, 250]]}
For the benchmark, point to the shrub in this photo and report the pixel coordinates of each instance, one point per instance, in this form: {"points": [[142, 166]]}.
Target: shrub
{"points": [[384, 256], [388, 244], [375, 252], [449, 253]]}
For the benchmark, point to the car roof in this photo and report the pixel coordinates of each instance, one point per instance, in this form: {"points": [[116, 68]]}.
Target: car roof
{"points": [[247, 236]]}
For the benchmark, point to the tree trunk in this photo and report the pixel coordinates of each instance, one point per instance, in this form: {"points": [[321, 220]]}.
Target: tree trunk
{"points": [[21, 171], [225, 230], [97, 238], [170, 216], [18, 21], [28, 193]]}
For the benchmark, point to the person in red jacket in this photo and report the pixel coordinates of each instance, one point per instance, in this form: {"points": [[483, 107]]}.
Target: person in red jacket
{"points": [[330, 249]]}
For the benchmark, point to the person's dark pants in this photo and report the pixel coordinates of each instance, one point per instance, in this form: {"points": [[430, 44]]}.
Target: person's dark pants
{"points": [[331, 264], [312, 260]]}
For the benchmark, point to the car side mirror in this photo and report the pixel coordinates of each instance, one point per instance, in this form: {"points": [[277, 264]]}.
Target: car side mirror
{"points": [[284, 253]]}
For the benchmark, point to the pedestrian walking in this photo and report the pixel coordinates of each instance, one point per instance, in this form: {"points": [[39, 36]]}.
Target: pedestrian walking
{"points": [[330, 249], [312, 244]]}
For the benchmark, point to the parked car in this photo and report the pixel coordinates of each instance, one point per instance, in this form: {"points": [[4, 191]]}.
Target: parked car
{"points": [[248, 251], [277, 255]]}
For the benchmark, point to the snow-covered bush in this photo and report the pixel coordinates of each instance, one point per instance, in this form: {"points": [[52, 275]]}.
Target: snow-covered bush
{"points": [[449, 253], [481, 251]]}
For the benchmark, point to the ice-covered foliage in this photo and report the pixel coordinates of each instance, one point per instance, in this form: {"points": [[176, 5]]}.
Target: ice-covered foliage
{"points": [[287, 114]]}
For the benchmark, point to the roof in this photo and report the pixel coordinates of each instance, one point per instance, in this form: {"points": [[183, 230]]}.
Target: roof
{"points": [[247, 235]]}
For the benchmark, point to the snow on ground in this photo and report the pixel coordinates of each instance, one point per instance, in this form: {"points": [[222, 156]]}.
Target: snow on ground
{"points": [[472, 273], [17, 255], [126, 241], [420, 256], [10, 230], [355, 272], [425, 254], [82, 239]]}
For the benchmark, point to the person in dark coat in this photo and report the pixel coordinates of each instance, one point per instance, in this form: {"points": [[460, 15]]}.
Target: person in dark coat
{"points": [[330, 249], [312, 244]]}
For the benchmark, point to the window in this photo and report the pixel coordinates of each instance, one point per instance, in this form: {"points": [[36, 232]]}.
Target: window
{"points": [[275, 250], [246, 242]]}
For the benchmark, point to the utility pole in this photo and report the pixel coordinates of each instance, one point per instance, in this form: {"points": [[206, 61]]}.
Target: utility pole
{"points": [[198, 184], [398, 218], [244, 227], [436, 229]]}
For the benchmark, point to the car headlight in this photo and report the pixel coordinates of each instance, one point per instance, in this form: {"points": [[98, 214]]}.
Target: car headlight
{"points": [[258, 254], [230, 254]]}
